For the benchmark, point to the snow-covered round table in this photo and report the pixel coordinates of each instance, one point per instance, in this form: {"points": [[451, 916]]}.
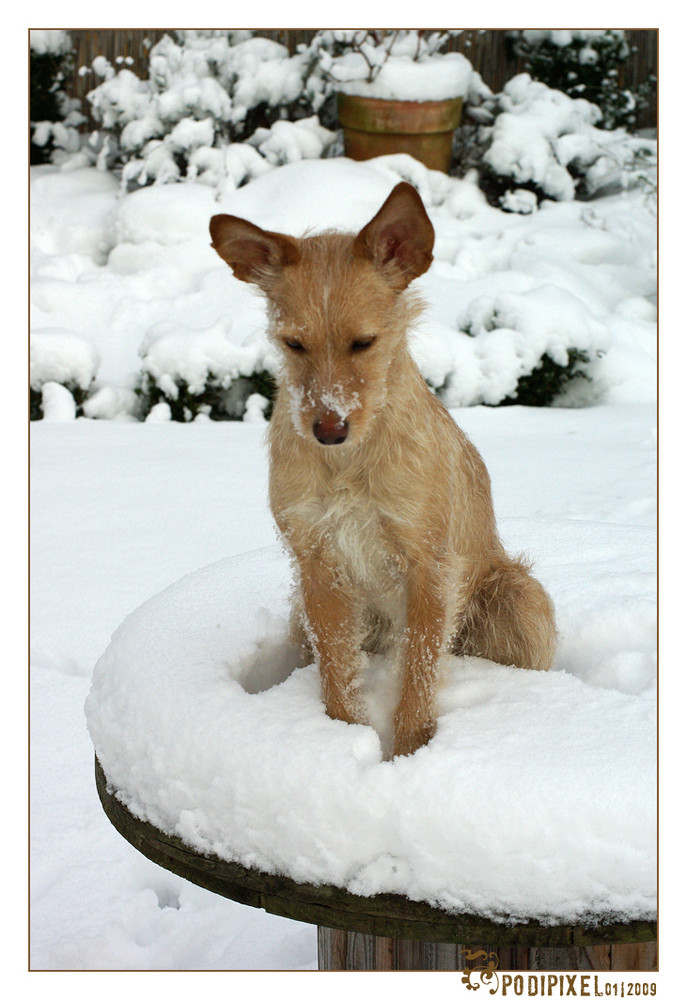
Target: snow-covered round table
{"points": [[524, 829]]}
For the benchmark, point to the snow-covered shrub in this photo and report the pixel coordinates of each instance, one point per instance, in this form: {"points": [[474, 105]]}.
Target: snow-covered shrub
{"points": [[207, 92], [55, 117], [218, 399], [585, 63], [543, 142], [531, 347], [58, 356], [203, 372], [286, 142], [549, 380], [222, 107]]}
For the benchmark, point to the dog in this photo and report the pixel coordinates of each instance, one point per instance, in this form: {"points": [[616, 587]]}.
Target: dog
{"points": [[382, 500]]}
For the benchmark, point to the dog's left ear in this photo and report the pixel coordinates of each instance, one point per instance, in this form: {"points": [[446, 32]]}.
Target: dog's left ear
{"points": [[400, 238]]}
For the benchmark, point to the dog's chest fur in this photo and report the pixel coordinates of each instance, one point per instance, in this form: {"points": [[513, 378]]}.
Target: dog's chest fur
{"points": [[345, 520], [354, 527]]}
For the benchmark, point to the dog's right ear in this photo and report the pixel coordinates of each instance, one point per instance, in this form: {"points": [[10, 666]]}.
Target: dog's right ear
{"points": [[253, 254]]}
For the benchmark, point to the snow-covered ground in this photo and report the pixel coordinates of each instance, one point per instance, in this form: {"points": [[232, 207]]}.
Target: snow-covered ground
{"points": [[121, 509]]}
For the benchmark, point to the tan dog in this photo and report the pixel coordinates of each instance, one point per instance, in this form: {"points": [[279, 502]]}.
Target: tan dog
{"points": [[384, 502]]}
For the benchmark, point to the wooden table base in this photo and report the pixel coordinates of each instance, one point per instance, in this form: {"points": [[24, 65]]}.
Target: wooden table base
{"points": [[343, 951]]}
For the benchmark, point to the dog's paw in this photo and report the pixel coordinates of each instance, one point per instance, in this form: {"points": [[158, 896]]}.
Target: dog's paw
{"points": [[408, 740], [345, 709]]}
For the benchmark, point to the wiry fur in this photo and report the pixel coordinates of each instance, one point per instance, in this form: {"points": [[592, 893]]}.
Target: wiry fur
{"points": [[391, 521]]}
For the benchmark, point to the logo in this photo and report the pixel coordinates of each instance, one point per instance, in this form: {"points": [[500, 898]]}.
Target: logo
{"points": [[486, 971]]}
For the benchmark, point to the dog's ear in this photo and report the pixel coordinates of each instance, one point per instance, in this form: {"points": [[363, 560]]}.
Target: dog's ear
{"points": [[400, 238], [253, 254]]}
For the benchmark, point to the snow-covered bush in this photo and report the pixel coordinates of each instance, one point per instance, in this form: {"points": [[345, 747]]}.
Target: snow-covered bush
{"points": [[546, 143], [217, 399], [185, 373], [534, 346], [55, 117], [530, 143], [207, 92], [60, 357], [585, 63], [223, 107]]}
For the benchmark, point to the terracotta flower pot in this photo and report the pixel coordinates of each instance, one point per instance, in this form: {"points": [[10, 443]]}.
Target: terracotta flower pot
{"points": [[376, 127]]}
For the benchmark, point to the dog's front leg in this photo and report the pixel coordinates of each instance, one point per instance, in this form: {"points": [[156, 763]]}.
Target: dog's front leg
{"points": [[334, 632], [426, 627]]}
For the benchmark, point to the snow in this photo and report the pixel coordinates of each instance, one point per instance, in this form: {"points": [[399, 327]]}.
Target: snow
{"points": [[399, 64], [57, 402], [49, 41], [563, 37], [60, 356], [288, 142], [264, 72], [111, 402], [123, 510], [544, 137], [534, 117], [196, 356], [402, 79]]}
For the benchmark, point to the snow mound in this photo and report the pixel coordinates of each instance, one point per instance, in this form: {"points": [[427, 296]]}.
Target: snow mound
{"points": [[57, 402], [535, 799], [58, 355]]}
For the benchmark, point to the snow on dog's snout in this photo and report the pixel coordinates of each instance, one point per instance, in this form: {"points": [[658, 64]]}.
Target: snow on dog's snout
{"points": [[340, 401], [308, 404]]}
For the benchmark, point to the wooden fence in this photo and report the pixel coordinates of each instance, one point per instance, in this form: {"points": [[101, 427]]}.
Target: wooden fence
{"points": [[488, 50]]}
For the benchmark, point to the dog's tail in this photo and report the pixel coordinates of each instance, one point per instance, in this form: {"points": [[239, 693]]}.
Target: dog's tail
{"points": [[509, 618]]}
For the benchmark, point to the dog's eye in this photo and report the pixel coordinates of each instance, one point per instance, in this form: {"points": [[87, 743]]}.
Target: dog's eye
{"points": [[294, 345], [362, 345]]}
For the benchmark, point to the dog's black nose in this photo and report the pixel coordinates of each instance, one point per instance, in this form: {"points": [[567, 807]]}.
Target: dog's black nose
{"points": [[330, 429]]}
